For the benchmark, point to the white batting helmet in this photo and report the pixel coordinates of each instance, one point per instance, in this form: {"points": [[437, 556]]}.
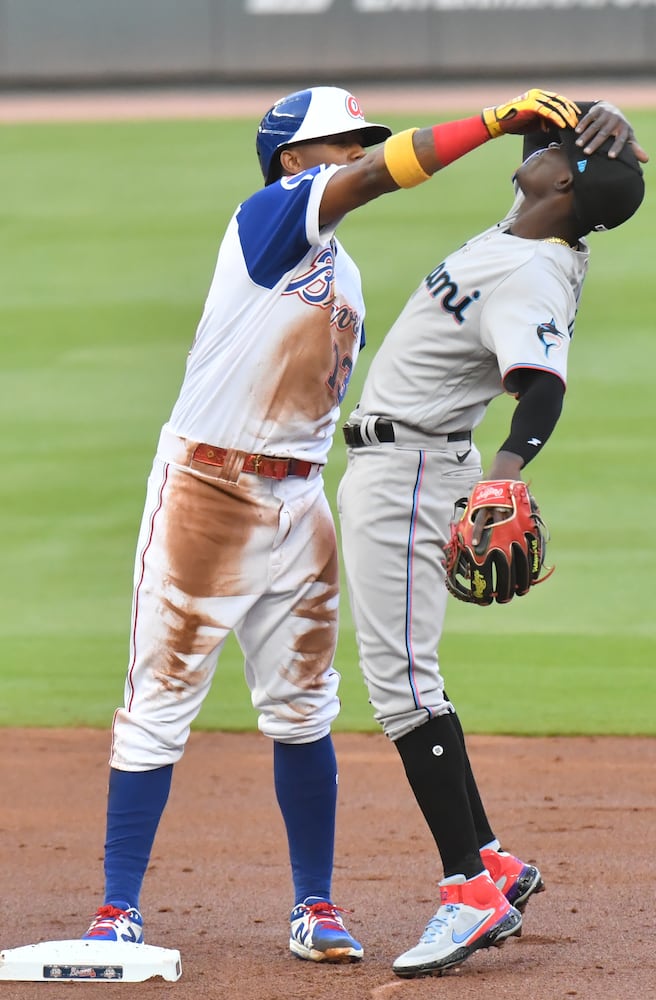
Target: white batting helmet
{"points": [[311, 114]]}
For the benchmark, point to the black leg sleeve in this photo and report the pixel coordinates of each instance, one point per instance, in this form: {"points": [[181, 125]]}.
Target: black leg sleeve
{"points": [[435, 763], [483, 829]]}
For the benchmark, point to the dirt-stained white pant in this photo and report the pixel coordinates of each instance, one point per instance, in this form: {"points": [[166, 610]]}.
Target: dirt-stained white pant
{"points": [[395, 506], [257, 556]]}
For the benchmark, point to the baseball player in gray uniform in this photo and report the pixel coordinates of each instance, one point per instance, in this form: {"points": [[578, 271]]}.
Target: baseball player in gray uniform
{"points": [[495, 316]]}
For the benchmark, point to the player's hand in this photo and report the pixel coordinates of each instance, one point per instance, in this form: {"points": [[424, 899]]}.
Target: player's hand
{"points": [[600, 122], [486, 517], [505, 465], [530, 110]]}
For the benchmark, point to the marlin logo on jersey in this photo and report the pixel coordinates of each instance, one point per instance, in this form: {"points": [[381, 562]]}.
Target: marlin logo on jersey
{"points": [[441, 286], [315, 287], [550, 336]]}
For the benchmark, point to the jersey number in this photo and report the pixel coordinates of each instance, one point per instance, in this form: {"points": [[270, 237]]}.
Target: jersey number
{"points": [[338, 379]]}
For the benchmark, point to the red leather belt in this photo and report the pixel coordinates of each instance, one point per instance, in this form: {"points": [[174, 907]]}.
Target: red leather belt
{"points": [[259, 465]]}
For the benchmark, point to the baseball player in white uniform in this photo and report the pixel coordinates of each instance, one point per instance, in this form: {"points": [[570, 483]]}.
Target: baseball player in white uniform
{"points": [[495, 316], [237, 534]]}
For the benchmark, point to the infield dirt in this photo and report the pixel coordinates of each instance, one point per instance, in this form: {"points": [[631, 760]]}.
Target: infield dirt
{"points": [[219, 890]]}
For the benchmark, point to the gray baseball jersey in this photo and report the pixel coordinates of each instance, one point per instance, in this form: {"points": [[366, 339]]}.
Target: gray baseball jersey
{"points": [[497, 304]]}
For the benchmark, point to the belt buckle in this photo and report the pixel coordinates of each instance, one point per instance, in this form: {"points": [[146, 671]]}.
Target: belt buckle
{"points": [[349, 432], [257, 464]]}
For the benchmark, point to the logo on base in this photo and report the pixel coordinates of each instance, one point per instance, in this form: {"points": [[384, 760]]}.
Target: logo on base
{"points": [[82, 972]]}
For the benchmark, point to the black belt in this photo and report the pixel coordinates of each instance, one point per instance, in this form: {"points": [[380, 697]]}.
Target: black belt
{"points": [[383, 431]]}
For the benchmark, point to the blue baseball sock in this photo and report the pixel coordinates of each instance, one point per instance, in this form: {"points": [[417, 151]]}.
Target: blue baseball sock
{"points": [[305, 778], [135, 805]]}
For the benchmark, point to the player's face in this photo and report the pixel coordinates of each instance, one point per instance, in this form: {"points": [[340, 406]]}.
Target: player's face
{"points": [[339, 149], [543, 169]]}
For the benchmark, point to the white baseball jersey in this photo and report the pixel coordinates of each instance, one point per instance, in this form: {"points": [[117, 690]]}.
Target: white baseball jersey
{"points": [[280, 332], [498, 303]]}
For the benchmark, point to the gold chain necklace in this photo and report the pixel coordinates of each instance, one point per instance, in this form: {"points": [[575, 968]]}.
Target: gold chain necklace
{"points": [[557, 239]]}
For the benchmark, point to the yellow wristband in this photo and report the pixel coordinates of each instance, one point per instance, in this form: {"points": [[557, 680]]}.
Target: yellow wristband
{"points": [[401, 160]]}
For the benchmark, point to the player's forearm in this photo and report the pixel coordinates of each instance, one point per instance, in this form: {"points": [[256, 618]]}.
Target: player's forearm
{"points": [[539, 405], [405, 160], [411, 157], [441, 144]]}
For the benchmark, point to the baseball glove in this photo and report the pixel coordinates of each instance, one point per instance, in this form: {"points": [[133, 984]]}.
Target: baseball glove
{"points": [[509, 558]]}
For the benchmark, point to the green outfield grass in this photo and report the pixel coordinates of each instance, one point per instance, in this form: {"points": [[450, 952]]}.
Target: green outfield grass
{"points": [[110, 234]]}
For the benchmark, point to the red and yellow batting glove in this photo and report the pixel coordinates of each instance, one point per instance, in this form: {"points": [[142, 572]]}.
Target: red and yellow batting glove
{"points": [[529, 111]]}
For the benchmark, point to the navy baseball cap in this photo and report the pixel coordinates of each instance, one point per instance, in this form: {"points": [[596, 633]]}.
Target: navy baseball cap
{"points": [[606, 191]]}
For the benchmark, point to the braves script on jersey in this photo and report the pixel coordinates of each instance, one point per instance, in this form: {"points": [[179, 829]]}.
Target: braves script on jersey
{"points": [[280, 332]]}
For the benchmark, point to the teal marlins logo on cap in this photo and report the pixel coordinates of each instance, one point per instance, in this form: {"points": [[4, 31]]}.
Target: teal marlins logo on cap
{"points": [[607, 192]]}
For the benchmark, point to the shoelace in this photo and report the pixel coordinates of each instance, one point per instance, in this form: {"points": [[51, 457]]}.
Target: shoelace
{"points": [[105, 916], [437, 924], [327, 914]]}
